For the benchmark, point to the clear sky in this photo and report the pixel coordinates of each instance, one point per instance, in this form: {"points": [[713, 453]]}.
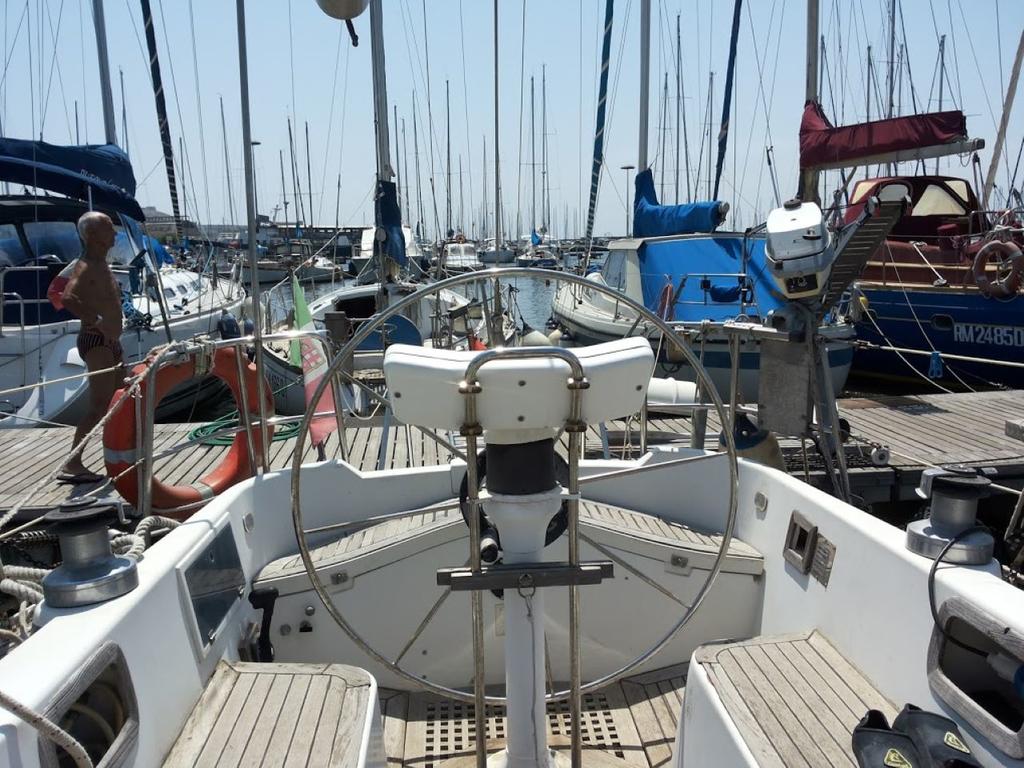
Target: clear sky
{"points": [[302, 65]]}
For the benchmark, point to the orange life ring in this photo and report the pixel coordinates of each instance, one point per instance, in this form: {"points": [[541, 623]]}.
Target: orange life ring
{"points": [[120, 444], [1008, 284], [666, 310]]}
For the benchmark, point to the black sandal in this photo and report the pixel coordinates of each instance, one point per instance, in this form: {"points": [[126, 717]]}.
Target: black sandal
{"points": [[937, 738], [876, 745]]}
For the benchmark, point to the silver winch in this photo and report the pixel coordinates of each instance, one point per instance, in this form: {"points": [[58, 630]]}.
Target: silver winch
{"points": [[90, 571], [954, 494]]}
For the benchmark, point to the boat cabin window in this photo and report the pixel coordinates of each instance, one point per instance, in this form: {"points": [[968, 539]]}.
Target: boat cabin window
{"points": [[59, 238], [614, 270], [893, 192], [861, 189], [936, 201], [959, 187]]}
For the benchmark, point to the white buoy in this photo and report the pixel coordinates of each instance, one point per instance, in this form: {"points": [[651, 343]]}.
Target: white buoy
{"points": [[534, 338], [555, 337], [670, 394], [343, 9]]}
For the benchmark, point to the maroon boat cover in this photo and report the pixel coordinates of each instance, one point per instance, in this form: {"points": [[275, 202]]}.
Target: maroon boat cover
{"points": [[821, 143]]}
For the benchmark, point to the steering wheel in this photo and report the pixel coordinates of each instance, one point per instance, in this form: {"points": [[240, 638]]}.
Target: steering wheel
{"points": [[645, 317]]}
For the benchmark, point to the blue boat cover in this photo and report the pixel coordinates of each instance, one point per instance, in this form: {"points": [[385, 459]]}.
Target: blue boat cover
{"points": [[711, 290], [158, 250], [653, 220], [100, 171], [391, 220]]}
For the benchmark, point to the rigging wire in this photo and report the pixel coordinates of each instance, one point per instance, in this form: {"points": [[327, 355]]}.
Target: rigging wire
{"points": [[199, 111], [81, 51], [14, 45], [184, 164], [330, 118], [54, 66]]}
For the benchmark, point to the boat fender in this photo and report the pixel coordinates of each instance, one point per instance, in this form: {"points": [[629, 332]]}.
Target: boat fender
{"points": [[1008, 283], [120, 445]]}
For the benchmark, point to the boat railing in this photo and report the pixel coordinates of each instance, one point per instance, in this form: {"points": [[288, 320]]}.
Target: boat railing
{"points": [[744, 298], [8, 296]]}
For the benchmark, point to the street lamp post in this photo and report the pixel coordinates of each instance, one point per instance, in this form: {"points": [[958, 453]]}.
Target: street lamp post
{"points": [[627, 169]]}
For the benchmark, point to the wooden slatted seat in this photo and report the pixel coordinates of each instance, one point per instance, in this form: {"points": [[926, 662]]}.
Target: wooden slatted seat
{"points": [[794, 698], [277, 715], [595, 517]]}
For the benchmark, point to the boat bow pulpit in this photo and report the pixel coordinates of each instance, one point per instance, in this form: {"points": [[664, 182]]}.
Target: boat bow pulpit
{"points": [[514, 398]]}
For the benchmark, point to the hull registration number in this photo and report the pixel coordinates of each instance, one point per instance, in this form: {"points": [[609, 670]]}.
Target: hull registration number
{"points": [[998, 335]]}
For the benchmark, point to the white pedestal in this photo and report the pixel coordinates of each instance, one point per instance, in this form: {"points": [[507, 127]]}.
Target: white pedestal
{"points": [[522, 522]]}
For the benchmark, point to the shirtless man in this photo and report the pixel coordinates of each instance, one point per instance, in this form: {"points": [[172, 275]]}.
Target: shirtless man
{"points": [[94, 296]]}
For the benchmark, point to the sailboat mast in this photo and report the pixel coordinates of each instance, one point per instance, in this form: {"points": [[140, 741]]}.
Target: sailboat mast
{"points": [[679, 108], [497, 153], [295, 184], [602, 101], [250, 215], [461, 209], [161, 113], [284, 189], [663, 128], [868, 97], [398, 161], [808, 190], [711, 100], [942, 73], [645, 82], [109, 125], [227, 162], [124, 116], [309, 179], [416, 160], [890, 80], [483, 226], [448, 158], [723, 133], [533, 160], [1011, 90], [545, 192], [405, 174]]}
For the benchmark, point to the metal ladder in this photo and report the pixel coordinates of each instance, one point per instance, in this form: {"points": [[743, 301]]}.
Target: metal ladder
{"points": [[858, 242]]}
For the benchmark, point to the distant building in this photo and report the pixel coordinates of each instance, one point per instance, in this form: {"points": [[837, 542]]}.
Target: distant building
{"points": [[161, 225]]}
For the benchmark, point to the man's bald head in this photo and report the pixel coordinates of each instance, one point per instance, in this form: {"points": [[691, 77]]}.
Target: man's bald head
{"points": [[96, 230]]}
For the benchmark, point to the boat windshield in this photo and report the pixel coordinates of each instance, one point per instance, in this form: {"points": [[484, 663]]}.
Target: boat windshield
{"points": [[614, 270], [56, 238], [936, 201]]}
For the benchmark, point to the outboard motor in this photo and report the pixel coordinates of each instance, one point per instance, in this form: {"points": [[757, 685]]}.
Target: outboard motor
{"points": [[799, 249]]}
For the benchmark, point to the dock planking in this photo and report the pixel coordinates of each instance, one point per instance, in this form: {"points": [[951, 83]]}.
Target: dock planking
{"points": [[920, 431]]}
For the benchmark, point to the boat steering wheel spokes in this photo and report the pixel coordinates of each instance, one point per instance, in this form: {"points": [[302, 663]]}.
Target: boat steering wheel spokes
{"points": [[645, 318]]}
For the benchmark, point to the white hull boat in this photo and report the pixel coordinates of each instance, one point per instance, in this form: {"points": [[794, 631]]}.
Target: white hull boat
{"points": [[48, 353], [226, 653], [435, 320]]}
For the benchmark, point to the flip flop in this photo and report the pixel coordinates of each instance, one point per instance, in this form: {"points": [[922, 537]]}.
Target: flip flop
{"points": [[876, 745], [80, 478], [937, 738]]}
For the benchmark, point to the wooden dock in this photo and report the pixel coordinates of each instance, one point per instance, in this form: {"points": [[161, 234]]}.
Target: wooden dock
{"points": [[919, 431]]}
